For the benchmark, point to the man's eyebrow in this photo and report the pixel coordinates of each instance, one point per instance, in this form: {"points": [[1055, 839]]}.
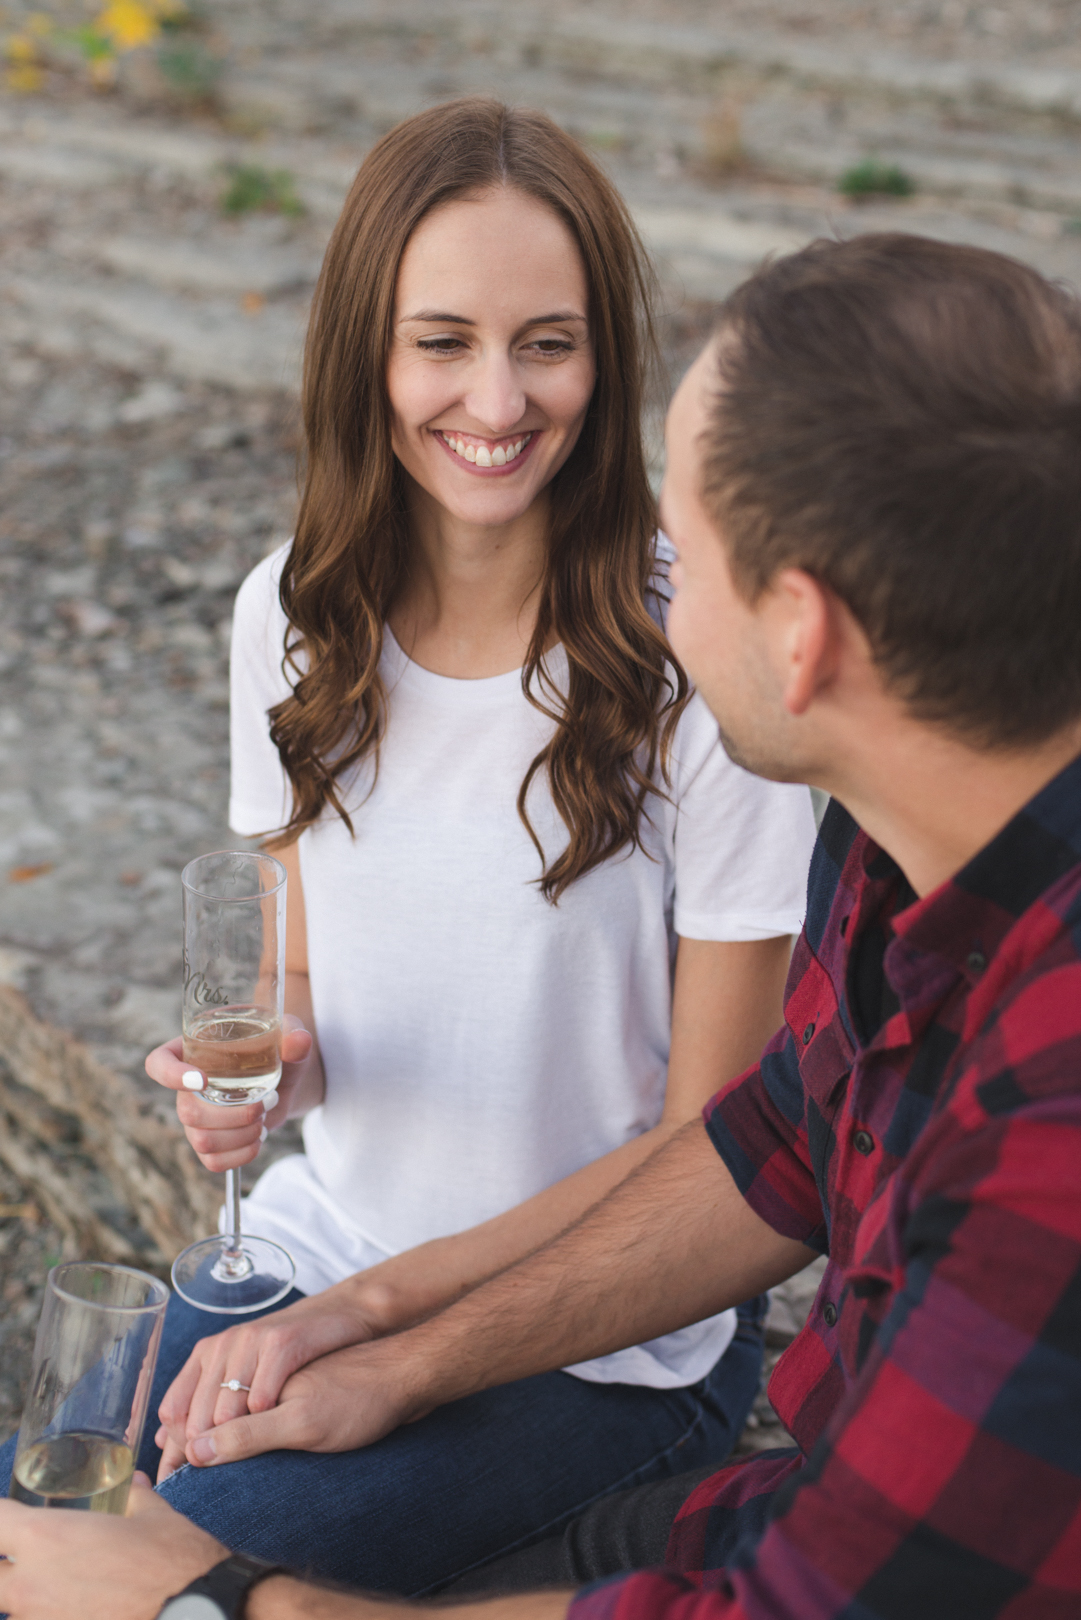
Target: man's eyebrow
{"points": [[443, 316]]}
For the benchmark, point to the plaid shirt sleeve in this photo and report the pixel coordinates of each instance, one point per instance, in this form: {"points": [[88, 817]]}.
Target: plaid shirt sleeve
{"points": [[947, 1482]]}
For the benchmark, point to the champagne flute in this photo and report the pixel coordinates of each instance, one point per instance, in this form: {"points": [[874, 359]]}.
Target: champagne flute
{"points": [[234, 985], [94, 1355]]}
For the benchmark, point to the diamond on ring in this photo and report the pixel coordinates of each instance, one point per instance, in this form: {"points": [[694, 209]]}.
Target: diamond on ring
{"points": [[234, 1384]]}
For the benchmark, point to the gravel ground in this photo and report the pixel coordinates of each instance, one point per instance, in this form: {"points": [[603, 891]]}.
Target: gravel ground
{"points": [[114, 613]]}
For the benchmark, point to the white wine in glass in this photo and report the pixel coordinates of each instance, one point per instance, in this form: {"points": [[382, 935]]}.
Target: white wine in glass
{"points": [[234, 983], [94, 1358], [88, 1471]]}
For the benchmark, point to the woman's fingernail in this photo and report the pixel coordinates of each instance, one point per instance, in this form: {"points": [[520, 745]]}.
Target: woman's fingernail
{"points": [[192, 1081], [270, 1101], [263, 1134], [204, 1450]]}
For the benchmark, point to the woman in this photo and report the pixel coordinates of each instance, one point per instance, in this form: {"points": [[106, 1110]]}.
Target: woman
{"points": [[545, 916]]}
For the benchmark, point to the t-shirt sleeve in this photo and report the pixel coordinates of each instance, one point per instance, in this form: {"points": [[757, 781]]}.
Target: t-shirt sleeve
{"points": [[260, 796], [742, 844]]}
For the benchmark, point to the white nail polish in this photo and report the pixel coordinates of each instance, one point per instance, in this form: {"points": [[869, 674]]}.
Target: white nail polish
{"points": [[270, 1101], [192, 1081], [263, 1134]]}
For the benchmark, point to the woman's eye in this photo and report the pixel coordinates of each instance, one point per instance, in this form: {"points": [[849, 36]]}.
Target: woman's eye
{"points": [[551, 346], [440, 345]]}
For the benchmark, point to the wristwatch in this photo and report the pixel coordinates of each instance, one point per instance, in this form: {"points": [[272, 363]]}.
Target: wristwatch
{"points": [[222, 1593]]}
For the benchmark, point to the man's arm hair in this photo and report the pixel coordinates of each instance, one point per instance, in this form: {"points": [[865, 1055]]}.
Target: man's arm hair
{"points": [[673, 1244]]}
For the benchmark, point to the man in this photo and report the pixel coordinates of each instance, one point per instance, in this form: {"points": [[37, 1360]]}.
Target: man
{"points": [[874, 485]]}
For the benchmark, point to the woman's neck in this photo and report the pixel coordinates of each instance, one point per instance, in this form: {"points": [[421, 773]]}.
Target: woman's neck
{"points": [[468, 606]]}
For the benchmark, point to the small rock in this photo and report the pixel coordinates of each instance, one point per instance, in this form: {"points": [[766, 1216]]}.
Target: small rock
{"points": [[223, 436], [151, 403], [88, 618], [183, 577]]}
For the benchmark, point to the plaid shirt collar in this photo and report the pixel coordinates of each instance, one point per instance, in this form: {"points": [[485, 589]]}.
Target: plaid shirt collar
{"points": [[956, 930]]}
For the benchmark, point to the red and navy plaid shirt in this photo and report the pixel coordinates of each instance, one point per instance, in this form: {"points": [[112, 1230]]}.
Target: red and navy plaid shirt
{"points": [[918, 1119]]}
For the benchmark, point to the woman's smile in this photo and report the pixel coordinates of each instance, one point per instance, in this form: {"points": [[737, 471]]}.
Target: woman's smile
{"points": [[476, 454]]}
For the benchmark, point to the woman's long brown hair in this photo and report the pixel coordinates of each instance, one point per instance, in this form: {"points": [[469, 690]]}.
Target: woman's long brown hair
{"points": [[614, 725]]}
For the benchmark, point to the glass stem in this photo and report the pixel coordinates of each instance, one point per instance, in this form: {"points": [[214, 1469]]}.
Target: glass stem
{"points": [[232, 1203]]}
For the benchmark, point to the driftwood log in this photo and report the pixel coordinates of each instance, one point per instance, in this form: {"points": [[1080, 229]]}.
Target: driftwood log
{"points": [[110, 1168]]}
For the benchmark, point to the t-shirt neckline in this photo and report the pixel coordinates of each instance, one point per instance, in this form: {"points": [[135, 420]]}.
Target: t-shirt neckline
{"points": [[462, 689]]}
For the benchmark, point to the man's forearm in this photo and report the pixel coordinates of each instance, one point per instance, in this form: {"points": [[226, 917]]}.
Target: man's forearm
{"points": [[283, 1598], [672, 1244]]}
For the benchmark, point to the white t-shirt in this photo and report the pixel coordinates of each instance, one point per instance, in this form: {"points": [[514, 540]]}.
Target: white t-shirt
{"points": [[480, 1043]]}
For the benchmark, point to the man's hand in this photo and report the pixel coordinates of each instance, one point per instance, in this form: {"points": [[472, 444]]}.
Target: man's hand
{"points": [[262, 1355], [64, 1565], [226, 1138], [90, 1566], [348, 1399]]}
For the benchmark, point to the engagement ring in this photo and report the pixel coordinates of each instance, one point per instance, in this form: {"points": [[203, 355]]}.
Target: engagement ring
{"points": [[234, 1384]]}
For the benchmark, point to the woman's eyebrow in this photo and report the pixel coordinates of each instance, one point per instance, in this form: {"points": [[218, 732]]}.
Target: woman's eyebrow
{"points": [[560, 317], [439, 315]]}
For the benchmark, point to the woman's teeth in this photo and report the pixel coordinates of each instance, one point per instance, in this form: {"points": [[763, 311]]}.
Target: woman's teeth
{"points": [[482, 456]]}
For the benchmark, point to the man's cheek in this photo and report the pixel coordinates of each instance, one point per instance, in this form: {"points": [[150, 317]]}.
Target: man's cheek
{"points": [[685, 634], [674, 624]]}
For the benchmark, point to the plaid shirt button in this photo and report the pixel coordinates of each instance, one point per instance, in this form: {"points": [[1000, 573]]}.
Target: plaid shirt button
{"points": [[829, 1315], [977, 961], [863, 1142], [808, 1032]]}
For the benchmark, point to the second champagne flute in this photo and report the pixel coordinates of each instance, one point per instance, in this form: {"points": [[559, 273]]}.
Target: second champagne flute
{"points": [[234, 983]]}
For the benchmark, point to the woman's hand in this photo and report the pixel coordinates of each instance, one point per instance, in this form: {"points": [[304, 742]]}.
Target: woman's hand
{"points": [[348, 1399], [262, 1355], [225, 1138], [65, 1564]]}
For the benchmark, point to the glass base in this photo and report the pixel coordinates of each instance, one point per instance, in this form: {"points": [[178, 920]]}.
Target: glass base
{"points": [[212, 1277]]}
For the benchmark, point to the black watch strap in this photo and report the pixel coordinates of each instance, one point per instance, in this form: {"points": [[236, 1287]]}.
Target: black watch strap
{"points": [[229, 1583]]}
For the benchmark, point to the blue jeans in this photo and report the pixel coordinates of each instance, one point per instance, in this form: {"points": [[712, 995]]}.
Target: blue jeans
{"points": [[472, 1481]]}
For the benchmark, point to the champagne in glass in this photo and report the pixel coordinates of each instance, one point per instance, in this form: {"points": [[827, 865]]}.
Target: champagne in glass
{"points": [[234, 982], [239, 1049], [94, 1356]]}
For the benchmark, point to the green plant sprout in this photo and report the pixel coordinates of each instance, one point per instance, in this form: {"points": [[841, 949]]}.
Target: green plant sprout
{"points": [[254, 189], [874, 179], [188, 67]]}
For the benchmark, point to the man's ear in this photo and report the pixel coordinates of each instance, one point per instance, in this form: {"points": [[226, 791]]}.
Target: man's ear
{"points": [[804, 638]]}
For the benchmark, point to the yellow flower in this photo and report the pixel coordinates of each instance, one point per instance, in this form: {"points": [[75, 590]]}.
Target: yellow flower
{"points": [[128, 23], [24, 78], [21, 49]]}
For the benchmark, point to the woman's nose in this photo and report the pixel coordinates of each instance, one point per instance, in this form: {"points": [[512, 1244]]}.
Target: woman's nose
{"points": [[496, 399]]}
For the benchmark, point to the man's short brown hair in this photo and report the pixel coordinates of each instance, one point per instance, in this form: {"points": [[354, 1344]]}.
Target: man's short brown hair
{"points": [[902, 419]]}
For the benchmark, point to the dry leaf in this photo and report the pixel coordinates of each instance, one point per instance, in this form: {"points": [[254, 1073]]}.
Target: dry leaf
{"points": [[27, 874]]}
